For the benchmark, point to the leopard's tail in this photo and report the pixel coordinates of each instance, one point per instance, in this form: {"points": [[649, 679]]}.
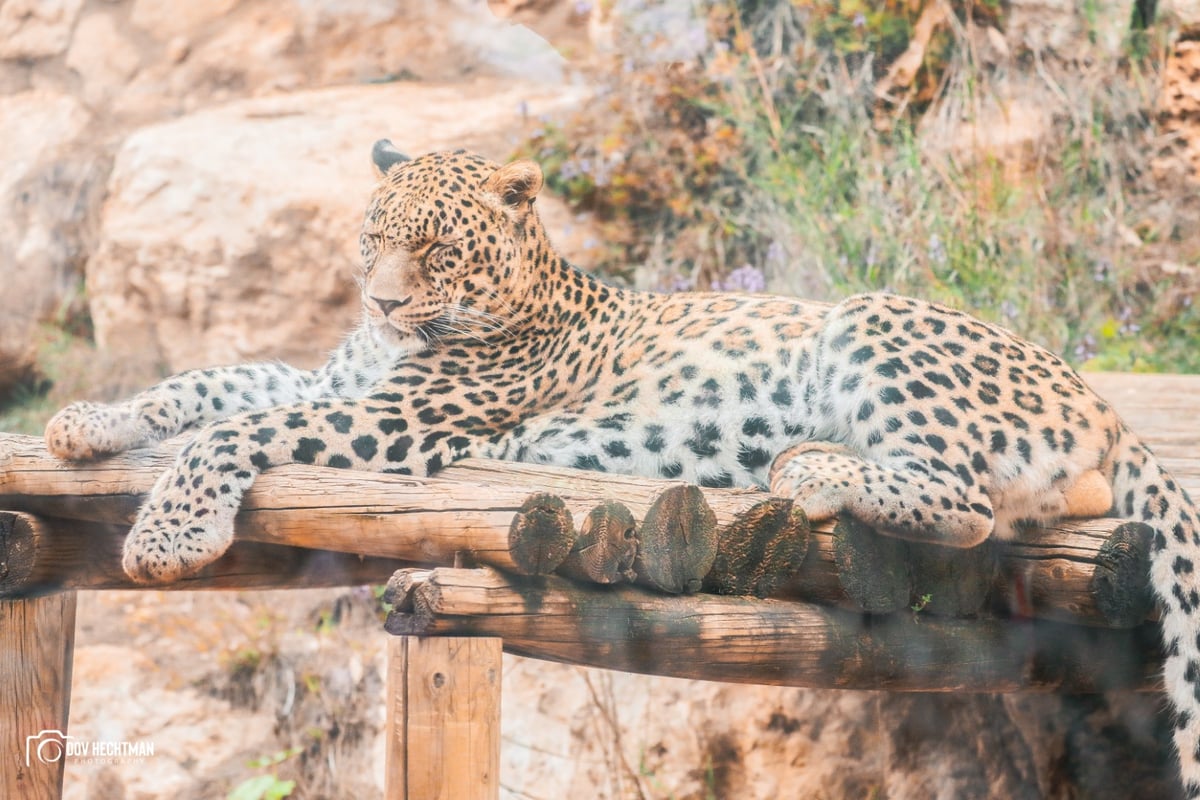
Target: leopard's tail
{"points": [[1144, 492]]}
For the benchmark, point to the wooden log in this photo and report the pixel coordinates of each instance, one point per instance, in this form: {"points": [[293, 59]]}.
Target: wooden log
{"points": [[541, 534], [871, 568], [37, 639], [41, 555], [467, 510], [443, 719], [744, 520], [677, 541], [1086, 572], [1074, 573], [952, 582], [605, 547], [760, 552], [741, 640], [881, 574]]}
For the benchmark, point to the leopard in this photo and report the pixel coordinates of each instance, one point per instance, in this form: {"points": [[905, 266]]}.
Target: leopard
{"points": [[477, 338]]}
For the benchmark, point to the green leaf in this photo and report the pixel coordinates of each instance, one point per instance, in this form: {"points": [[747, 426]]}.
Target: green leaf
{"points": [[279, 790], [262, 787]]}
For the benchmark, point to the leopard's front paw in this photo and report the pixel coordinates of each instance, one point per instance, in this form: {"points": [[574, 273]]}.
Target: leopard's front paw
{"points": [[819, 476], [819, 497], [162, 548], [86, 431]]}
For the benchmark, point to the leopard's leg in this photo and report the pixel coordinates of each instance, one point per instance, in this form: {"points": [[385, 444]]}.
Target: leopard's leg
{"points": [[192, 399], [1089, 495], [87, 430], [912, 500], [187, 521]]}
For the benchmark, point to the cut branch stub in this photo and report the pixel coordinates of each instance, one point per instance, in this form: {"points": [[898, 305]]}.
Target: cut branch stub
{"points": [[1120, 582], [410, 614], [678, 541], [19, 550], [605, 547], [760, 550], [872, 568], [541, 534]]}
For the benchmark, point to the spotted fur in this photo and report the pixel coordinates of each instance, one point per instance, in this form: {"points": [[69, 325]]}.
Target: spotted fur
{"points": [[478, 339]]}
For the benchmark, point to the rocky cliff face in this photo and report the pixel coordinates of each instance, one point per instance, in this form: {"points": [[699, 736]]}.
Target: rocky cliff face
{"points": [[202, 167]]}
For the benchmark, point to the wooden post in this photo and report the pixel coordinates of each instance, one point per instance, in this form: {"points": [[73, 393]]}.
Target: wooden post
{"points": [[37, 638], [443, 718]]}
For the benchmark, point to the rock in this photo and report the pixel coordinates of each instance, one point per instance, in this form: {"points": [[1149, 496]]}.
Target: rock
{"points": [[1010, 126], [611, 735], [201, 53], [165, 19], [1179, 13], [188, 730], [232, 234], [563, 23], [31, 29], [1060, 27], [49, 184], [103, 57]]}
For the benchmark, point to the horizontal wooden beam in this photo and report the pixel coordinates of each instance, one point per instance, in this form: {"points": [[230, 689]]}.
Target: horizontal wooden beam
{"points": [[744, 640], [1091, 572], [1086, 572], [484, 511], [41, 555]]}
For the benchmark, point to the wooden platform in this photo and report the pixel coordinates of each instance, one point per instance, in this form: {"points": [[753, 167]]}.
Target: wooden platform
{"points": [[1039, 618]]}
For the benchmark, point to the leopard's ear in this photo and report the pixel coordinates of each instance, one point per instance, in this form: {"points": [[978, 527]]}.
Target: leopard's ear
{"points": [[517, 185], [385, 156]]}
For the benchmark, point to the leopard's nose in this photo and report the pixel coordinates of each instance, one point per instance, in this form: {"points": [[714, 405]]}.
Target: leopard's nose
{"points": [[388, 306]]}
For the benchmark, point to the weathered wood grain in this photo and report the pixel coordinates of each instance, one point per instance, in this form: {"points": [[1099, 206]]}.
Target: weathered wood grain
{"points": [[443, 719], [37, 639], [467, 511], [1050, 572], [39, 555], [745, 640]]}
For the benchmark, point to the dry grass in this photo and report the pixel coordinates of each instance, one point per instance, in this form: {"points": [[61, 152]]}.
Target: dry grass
{"points": [[1010, 183]]}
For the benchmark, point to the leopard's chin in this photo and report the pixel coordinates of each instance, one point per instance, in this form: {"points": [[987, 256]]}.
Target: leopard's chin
{"points": [[398, 342]]}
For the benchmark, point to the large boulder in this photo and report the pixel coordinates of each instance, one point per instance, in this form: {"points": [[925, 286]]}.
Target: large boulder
{"points": [[49, 187], [140, 60], [34, 29], [76, 78], [232, 234]]}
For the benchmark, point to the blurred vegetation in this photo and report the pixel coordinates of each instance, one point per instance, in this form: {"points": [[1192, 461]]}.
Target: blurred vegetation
{"points": [[64, 365], [824, 148]]}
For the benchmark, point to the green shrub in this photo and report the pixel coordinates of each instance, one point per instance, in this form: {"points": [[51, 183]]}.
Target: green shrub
{"points": [[772, 152]]}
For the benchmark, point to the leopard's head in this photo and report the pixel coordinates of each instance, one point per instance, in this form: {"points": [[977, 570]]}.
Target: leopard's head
{"points": [[451, 247]]}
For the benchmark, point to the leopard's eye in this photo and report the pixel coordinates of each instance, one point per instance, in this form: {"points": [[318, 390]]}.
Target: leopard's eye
{"points": [[370, 242], [368, 248], [440, 249]]}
